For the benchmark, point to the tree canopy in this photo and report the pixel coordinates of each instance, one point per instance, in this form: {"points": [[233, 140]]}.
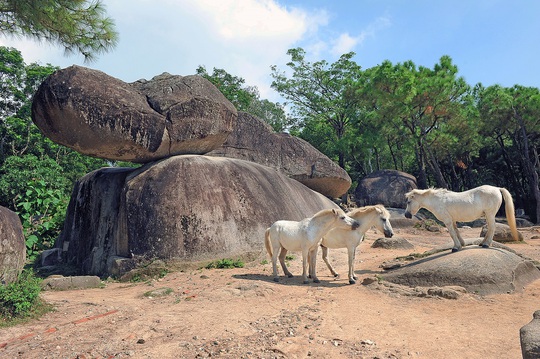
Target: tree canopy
{"points": [[80, 26], [425, 121], [247, 98]]}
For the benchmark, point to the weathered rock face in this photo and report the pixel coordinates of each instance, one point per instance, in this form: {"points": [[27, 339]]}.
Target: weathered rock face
{"points": [[530, 338], [386, 187], [184, 208], [101, 116], [12, 246], [479, 270], [254, 140]]}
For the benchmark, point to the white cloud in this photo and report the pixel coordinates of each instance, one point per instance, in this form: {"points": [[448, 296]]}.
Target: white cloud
{"points": [[244, 37], [347, 43]]}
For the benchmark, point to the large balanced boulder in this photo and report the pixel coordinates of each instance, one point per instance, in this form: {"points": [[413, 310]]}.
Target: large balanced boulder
{"points": [[182, 209], [254, 140], [479, 270], [386, 187], [101, 116], [12, 246]]}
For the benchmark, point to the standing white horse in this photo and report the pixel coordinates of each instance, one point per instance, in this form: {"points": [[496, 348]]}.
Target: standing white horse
{"points": [[304, 236], [368, 217], [450, 207]]}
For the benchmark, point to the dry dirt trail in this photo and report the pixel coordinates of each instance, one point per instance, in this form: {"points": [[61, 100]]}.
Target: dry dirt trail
{"points": [[242, 313]]}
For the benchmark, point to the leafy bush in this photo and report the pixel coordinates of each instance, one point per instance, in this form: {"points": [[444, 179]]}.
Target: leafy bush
{"points": [[18, 299], [42, 211], [226, 263]]}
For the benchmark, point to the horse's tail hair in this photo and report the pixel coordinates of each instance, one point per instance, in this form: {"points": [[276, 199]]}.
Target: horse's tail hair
{"points": [[510, 215], [267, 242]]}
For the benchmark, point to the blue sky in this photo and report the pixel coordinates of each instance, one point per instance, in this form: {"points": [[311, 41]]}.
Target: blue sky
{"points": [[491, 41]]}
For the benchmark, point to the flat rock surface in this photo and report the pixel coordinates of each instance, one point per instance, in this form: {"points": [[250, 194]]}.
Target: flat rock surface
{"points": [[479, 270]]}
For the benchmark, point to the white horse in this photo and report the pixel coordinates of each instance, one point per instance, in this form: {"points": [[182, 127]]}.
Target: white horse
{"points": [[368, 217], [304, 236], [450, 207]]}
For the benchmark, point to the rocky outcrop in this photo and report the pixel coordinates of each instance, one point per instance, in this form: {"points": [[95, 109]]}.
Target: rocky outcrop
{"points": [[254, 140], [101, 116], [184, 208], [479, 270], [12, 246], [386, 187], [502, 233], [530, 338]]}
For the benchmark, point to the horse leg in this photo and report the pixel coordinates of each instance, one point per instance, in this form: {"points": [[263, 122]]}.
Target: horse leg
{"points": [[452, 229], [312, 259], [325, 259], [459, 235], [282, 256], [274, 264], [490, 232], [351, 253], [305, 254]]}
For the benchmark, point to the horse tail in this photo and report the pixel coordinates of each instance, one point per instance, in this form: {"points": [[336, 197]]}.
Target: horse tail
{"points": [[510, 215], [267, 242]]}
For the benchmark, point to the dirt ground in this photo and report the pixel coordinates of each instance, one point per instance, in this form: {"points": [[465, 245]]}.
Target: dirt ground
{"points": [[242, 313]]}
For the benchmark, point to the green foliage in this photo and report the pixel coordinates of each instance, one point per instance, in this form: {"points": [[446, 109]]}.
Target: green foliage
{"points": [[246, 98], [17, 172], [225, 263], [42, 212], [322, 96], [77, 25], [19, 299]]}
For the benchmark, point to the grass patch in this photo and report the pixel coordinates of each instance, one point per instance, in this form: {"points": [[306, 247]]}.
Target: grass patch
{"points": [[20, 302], [225, 263]]}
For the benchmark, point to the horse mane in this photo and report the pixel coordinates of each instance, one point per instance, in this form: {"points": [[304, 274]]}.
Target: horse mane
{"points": [[421, 192], [371, 208], [324, 212]]}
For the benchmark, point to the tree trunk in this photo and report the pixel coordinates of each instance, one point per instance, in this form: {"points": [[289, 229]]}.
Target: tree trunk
{"points": [[529, 165], [435, 169]]}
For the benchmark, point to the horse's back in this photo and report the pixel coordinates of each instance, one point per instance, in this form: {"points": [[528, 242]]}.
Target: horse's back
{"points": [[473, 203], [290, 234]]}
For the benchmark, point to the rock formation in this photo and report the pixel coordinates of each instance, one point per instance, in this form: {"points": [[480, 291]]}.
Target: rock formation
{"points": [[12, 246], [386, 187], [101, 116], [185, 208], [530, 338], [254, 140], [480, 270]]}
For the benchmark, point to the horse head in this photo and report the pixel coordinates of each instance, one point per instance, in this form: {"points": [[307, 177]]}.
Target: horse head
{"points": [[343, 218], [413, 206], [383, 223]]}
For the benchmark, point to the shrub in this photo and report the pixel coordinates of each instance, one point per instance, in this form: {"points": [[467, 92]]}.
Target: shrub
{"points": [[18, 299], [226, 263]]}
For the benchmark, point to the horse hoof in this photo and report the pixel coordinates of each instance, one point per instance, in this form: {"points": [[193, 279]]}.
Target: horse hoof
{"points": [[484, 246], [352, 281], [316, 281], [276, 279], [289, 275], [336, 275], [454, 250], [306, 282]]}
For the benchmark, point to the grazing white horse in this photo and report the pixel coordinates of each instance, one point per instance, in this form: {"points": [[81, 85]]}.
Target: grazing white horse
{"points": [[303, 236], [368, 217], [450, 207]]}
